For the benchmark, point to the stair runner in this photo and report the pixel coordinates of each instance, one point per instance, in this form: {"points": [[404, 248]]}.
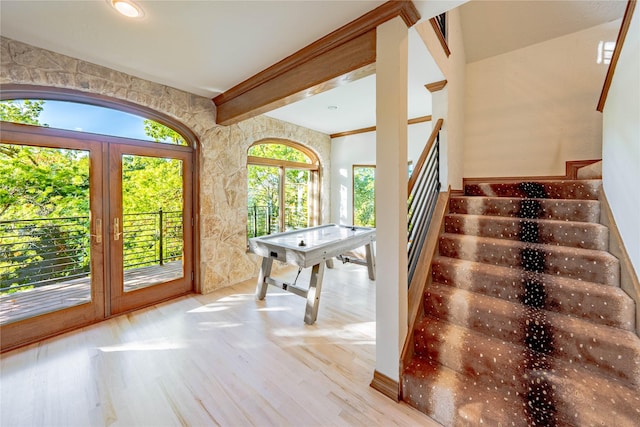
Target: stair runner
{"points": [[525, 323]]}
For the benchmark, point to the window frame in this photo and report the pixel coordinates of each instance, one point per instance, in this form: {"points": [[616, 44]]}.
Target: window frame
{"points": [[315, 177], [353, 190]]}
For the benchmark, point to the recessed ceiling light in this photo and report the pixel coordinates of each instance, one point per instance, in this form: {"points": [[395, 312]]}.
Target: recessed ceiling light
{"points": [[127, 8], [332, 107]]}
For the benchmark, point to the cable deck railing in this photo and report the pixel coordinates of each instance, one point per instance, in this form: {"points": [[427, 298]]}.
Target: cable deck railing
{"points": [[43, 251], [263, 219]]}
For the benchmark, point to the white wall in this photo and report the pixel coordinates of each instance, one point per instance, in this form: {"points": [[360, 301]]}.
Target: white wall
{"points": [[360, 149], [621, 143], [531, 110], [448, 104]]}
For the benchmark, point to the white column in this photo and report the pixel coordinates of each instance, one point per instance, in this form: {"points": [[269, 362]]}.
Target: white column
{"points": [[391, 195]]}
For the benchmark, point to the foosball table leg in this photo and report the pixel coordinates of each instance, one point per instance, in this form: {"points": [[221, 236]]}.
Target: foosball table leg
{"points": [[313, 294], [371, 261], [265, 271]]}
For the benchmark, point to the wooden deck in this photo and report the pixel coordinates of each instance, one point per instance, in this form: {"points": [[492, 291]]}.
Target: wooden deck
{"points": [[44, 299]]}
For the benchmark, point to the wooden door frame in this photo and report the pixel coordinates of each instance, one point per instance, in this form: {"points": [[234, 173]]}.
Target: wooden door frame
{"points": [[25, 331], [120, 301]]}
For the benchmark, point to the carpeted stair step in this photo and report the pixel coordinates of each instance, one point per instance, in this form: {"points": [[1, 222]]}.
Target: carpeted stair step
{"points": [[453, 401], [611, 352], [606, 305], [489, 361], [588, 189], [582, 264], [510, 377], [590, 400], [585, 235], [565, 210]]}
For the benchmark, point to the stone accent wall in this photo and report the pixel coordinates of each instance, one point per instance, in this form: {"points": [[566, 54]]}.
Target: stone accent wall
{"points": [[222, 156]]}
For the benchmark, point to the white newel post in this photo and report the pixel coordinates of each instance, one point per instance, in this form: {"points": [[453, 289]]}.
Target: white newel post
{"points": [[391, 195]]}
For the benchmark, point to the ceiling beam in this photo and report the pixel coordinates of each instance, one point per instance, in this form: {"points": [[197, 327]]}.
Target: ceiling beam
{"points": [[345, 55]]}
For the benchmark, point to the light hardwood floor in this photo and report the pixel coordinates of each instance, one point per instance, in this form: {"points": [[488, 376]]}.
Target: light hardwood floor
{"points": [[206, 360]]}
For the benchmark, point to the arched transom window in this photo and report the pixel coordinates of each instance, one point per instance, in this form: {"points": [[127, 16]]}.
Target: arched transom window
{"points": [[283, 187]]}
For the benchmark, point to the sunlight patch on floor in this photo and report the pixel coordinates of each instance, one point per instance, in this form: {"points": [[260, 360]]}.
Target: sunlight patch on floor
{"points": [[274, 309], [147, 345], [210, 308], [208, 326]]}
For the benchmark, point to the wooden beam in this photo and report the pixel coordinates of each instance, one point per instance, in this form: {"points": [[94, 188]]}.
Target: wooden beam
{"points": [[342, 56], [373, 128]]}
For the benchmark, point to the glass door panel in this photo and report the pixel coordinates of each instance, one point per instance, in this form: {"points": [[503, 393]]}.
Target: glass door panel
{"points": [[296, 192], [150, 225], [51, 233], [45, 227], [264, 200]]}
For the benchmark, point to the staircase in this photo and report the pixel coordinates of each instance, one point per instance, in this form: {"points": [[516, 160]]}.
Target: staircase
{"points": [[524, 322]]}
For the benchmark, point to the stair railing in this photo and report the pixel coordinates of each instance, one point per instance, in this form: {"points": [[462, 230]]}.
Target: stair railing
{"points": [[423, 189]]}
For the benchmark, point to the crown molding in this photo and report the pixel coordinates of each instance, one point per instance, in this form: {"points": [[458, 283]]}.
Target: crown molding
{"points": [[421, 119], [436, 86]]}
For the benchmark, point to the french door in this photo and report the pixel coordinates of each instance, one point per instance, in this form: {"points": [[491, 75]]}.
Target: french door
{"points": [[126, 243], [149, 242]]}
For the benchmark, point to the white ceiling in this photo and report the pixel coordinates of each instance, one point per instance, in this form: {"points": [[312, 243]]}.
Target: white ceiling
{"points": [[206, 47], [203, 47], [494, 27]]}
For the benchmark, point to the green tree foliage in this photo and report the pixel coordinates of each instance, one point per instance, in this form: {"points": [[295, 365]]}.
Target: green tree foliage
{"points": [[42, 182], [162, 133], [150, 184], [39, 182], [364, 207], [278, 151], [26, 112]]}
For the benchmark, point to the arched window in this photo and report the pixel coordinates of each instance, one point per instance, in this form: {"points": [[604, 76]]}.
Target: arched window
{"points": [[283, 187]]}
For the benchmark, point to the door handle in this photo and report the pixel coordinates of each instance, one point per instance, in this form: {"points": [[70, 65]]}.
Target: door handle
{"points": [[98, 230], [116, 229]]}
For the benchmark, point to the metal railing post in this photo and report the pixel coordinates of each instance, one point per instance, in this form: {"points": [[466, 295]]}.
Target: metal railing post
{"points": [[268, 218], [255, 221], [161, 237]]}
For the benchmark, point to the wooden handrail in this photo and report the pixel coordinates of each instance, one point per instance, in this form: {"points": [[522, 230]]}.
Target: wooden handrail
{"points": [[624, 28], [440, 36], [425, 153]]}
